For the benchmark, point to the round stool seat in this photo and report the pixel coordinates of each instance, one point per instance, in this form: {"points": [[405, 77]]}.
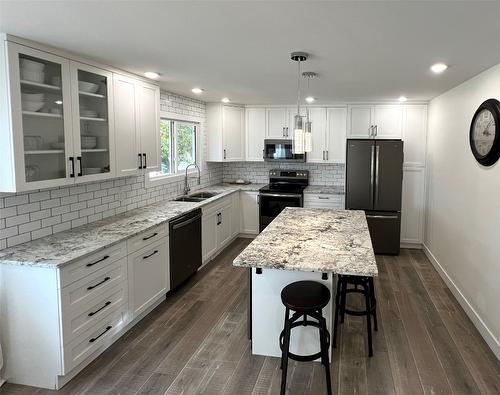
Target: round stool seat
{"points": [[305, 296]]}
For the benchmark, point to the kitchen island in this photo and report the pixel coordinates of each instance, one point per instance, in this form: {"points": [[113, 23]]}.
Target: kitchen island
{"points": [[302, 244]]}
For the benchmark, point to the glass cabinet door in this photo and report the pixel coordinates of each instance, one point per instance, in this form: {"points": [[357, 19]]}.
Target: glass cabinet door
{"points": [[41, 117], [94, 137]]}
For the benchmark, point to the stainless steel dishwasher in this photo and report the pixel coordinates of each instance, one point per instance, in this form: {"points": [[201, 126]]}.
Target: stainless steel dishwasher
{"points": [[185, 247]]}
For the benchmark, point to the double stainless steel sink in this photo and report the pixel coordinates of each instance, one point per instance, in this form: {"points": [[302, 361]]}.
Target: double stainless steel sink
{"points": [[197, 197]]}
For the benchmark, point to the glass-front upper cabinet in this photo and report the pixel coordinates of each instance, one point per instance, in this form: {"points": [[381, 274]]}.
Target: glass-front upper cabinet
{"points": [[41, 118], [93, 126]]}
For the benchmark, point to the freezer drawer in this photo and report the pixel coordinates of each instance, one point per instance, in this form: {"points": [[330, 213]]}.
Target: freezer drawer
{"points": [[385, 229]]}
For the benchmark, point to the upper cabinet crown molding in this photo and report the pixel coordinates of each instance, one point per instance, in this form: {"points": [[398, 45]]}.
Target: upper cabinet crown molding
{"points": [[58, 120]]}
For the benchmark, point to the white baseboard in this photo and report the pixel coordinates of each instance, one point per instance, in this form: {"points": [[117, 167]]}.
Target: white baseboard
{"points": [[487, 335], [413, 246]]}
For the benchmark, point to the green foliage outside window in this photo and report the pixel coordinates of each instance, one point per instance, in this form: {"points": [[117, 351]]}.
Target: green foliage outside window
{"points": [[185, 141]]}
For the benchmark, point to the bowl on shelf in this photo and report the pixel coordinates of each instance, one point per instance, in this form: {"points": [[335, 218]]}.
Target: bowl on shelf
{"points": [[33, 96], [32, 143], [32, 172], [91, 170], [88, 87], [29, 105], [89, 142], [33, 76], [32, 65], [88, 113], [57, 145]]}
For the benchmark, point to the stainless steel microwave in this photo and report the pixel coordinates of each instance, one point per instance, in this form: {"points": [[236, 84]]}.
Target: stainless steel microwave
{"points": [[281, 151]]}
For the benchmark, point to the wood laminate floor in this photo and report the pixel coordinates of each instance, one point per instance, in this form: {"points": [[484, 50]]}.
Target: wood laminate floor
{"points": [[195, 343]]}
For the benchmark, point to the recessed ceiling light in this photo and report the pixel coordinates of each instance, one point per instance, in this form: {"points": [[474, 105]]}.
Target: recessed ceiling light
{"points": [[197, 90], [310, 99], [152, 75], [438, 68], [225, 100], [402, 98]]}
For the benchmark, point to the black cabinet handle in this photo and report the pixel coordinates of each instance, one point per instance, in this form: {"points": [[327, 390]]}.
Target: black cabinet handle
{"points": [[102, 282], [140, 161], [103, 307], [224, 154], [72, 160], [79, 159], [97, 337], [96, 262], [145, 162], [148, 237], [150, 255]]}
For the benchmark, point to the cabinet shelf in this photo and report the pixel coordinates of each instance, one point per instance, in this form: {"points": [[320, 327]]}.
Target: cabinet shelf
{"points": [[95, 150], [40, 85], [44, 152], [97, 95], [93, 119], [42, 114]]}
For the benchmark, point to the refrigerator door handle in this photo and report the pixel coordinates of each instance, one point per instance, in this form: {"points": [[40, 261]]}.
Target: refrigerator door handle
{"points": [[372, 174], [382, 216], [377, 156]]}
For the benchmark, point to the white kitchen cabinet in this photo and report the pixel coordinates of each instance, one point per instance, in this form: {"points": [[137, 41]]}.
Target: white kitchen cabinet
{"points": [[216, 227], [324, 200], [381, 121], [93, 122], [147, 276], [225, 226], [255, 132], [317, 116], [278, 126], [209, 222], [225, 132], [336, 119], [414, 134], [235, 213], [136, 111], [249, 209], [412, 207]]}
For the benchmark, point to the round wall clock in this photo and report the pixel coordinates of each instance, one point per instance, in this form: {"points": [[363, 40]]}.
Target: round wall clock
{"points": [[485, 133]]}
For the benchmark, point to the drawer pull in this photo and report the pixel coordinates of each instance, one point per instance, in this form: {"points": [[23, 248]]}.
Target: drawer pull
{"points": [[148, 237], [96, 262], [103, 307], [97, 337], [150, 255], [102, 282], [324, 197]]}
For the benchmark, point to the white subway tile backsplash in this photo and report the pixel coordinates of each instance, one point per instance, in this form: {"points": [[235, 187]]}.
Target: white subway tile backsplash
{"points": [[17, 220], [38, 196], [16, 200], [19, 239]]}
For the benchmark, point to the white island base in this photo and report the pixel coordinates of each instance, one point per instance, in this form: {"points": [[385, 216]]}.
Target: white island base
{"points": [[268, 313]]}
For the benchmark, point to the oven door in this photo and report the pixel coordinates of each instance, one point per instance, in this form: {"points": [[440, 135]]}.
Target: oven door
{"points": [[281, 151], [271, 204]]}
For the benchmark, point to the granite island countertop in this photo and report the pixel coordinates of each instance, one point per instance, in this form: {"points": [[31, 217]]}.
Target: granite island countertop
{"points": [[68, 246], [313, 240], [325, 189]]}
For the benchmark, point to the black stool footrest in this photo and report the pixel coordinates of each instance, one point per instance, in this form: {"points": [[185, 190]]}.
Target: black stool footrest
{"points": [[304, 358]]}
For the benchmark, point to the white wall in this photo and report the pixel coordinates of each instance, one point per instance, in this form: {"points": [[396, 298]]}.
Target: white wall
{"points": [[463, 208]]}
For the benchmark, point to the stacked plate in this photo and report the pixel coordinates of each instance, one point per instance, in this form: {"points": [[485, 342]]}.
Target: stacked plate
{"points": [[32, 71], [87, 87], [91, 170], [32, 101], [89, 142], [85, 112]]}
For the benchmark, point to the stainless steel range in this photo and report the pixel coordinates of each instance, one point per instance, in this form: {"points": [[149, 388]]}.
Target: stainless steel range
{"points": [[285, 189]]}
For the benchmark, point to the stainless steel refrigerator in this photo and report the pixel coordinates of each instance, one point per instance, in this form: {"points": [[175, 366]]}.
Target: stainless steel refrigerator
{"points": [[374, 178]]}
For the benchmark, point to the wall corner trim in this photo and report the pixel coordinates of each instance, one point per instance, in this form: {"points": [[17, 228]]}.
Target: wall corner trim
{"points": [[487, 335]]}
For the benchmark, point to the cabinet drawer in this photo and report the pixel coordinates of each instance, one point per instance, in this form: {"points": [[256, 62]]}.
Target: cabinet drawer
{"points": [[323, 200], [146, 238], [80, 320], [92, 263], [75, 297], [97, 338]]}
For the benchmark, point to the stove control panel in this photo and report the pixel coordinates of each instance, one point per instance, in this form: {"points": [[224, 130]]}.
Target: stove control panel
{"points": [[289, 174]]}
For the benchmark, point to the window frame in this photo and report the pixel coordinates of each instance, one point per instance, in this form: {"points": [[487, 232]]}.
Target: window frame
{"points": [[153, 180]]}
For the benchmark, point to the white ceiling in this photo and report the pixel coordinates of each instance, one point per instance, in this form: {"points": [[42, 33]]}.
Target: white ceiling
{"points": [[361, 50]]}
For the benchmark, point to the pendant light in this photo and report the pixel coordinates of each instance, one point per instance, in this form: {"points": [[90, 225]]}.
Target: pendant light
{"points": [[308, 123], [298, 129]]}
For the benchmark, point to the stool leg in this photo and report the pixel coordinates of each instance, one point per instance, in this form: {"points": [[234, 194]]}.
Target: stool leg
{"points": [[369, 320], [287, 314], [343, 296], [284, 358], [373, 303], [336, 320], [325, 360]]}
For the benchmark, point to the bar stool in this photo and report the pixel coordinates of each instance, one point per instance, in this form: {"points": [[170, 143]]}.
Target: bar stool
{"points": [[306, 299], [362, 285]]}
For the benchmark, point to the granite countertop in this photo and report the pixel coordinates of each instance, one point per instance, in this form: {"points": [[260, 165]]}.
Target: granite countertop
{"points": [[327, 189], [314, 240], [66, 247]]}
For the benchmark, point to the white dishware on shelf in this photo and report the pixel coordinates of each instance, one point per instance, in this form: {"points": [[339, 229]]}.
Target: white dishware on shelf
{"points": [[88, 113], [88, 87], [33, 76], [32, 65], [91, 170], [59, 145], [33, 96], [89, 142], [32, 143], [29, 105], [32, 172], [56, 80], [56, 110]]}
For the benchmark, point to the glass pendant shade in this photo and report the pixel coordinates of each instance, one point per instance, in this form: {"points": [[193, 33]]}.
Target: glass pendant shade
{"points": [[298, 135], [308, 137]]}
